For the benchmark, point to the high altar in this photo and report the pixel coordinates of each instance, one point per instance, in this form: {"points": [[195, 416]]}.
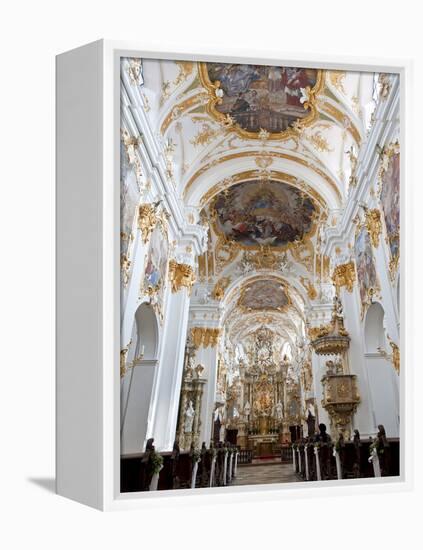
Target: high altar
{"points": [[264, 401]]}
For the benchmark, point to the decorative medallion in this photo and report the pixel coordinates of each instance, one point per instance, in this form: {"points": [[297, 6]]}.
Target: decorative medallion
{"points": [[258, 99]]}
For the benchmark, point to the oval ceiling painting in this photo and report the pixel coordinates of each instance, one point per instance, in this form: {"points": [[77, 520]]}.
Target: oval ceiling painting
{"points": [[264, 295], [259, 97], [257, 213]]}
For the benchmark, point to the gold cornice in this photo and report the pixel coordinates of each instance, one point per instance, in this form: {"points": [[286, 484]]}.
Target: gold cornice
{"points": [[344, 275], [205, 336], [227, 121], [181, 275]]}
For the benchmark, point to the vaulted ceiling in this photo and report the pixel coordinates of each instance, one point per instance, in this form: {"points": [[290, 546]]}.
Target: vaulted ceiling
{"points": [[264, 155]]}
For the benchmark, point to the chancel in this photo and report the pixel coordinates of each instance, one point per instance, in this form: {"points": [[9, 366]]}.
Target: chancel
{"points": [[260, 275]]}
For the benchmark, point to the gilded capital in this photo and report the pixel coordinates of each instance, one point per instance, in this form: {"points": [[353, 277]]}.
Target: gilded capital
{"points": [[205, 336], [344, 275], [374, 225], [181, 275]]}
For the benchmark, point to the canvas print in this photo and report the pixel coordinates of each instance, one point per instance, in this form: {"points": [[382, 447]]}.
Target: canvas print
{"points": [[260, 275]]}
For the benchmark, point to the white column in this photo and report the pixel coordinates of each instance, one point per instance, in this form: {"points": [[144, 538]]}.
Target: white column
{"points": [[231, 459], [294, 462], [338, 463], [212, 469], [167, 385], [225, 467], [155, 480], [374, 459], [236, 464], [306, 463], [318, 472], [208, 358], [194, 474], [299, 461]]}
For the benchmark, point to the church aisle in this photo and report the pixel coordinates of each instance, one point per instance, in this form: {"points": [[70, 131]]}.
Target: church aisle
{"points": [[264, 474]]}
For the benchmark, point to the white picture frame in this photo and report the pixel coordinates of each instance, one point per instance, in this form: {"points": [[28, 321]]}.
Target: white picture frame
{"points": [[88, 270]]}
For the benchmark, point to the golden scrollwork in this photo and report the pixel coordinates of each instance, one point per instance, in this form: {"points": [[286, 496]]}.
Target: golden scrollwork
{"points": [[344, 276], [340, 399], [205, 336], [147, 219], [336, 78], [393, 357], [220, 287], [125, 266], [150, 215], [123, 354], [333, 338], [181, 275], [310, 288], [374, 225]]}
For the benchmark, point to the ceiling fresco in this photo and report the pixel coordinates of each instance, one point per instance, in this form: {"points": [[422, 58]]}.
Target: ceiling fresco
{"points": [[259, 97], [263, 213], [264, 295]]}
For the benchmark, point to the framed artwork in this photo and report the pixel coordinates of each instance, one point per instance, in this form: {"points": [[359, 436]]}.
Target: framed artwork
{"points": [[235, 273]]}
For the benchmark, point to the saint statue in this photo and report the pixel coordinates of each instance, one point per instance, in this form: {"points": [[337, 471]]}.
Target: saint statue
{"points": [[247, 409], [278, 410], [189, 418]]}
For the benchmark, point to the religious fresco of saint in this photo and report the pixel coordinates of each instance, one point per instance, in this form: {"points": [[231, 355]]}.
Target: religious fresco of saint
{"points": [[390, 200], [264, 295], [366, 267], [259, 97], [264, 214], [154, 281]]}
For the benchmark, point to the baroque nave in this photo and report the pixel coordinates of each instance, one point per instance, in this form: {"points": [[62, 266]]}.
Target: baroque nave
{"points": [[260, 275]]}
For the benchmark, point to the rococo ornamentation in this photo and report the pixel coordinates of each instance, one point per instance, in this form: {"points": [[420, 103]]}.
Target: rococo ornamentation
{"points": [[344, 276], [205, 336], [374, 225], [181, 275], [149, 215]]}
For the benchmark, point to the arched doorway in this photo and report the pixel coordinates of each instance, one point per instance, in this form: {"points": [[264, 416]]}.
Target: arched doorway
{"points": [[137, 384], [382, 378]]}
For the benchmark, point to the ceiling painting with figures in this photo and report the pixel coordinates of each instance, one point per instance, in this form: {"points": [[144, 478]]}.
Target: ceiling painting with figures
{"points": [[257, 213], [262, 98]]}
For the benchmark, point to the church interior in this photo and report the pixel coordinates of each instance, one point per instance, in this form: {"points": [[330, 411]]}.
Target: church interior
{"points": [[260, 274]]}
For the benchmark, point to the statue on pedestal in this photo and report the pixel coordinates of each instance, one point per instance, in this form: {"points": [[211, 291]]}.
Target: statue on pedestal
{"points": [[278, 411], [189, 418]]}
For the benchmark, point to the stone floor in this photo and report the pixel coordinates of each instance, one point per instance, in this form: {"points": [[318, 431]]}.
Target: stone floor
{"points": [[264, 473]]}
